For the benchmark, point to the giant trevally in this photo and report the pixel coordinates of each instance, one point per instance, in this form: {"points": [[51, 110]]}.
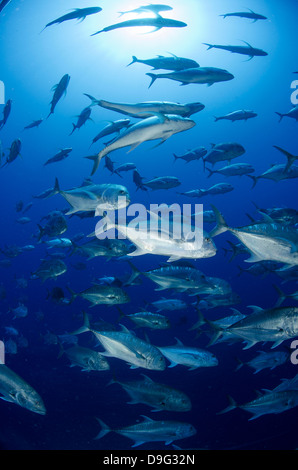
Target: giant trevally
{"points": [[138, 181], [111, 128], [14, 151], [152, 8], [157, 23], [156, 127], [162, 182], [127, 346], [85, 358], [34, 124], [220, 188], [271, 402], [102, 295], [188, 356], [192, 155], [276, 173], [149, 108], [242, 115], [167, 63], [156, 395], [59, 156], [6, 111], [224, 151], [265, 240], [49, 269], [266, 360], [3, 4], [82, 119], [76, 14], [151, 237], [238, 169], [154, 321], [56, 225], [273, 325], [293, 113], [14, 389], [59, 90], [108, 247], [94, 196], [245, 50], [199, 75], [246, 14], [151, 431], [178, 276]]}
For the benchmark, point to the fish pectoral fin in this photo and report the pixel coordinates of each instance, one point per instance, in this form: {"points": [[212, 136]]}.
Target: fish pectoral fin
{"points": [[138, 252], [134, 146], [173, 258], [138, 443]]}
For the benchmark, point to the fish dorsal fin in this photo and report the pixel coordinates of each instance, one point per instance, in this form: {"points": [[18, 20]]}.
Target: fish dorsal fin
{"points": [[178, 342], [124, 329], [146, 419], [259, 394], [235, 311], [249, 45], [256, 309], [266, 218], [147, 379]]}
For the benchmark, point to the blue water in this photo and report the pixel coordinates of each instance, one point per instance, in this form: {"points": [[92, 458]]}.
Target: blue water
{"points": [[31, 64]]}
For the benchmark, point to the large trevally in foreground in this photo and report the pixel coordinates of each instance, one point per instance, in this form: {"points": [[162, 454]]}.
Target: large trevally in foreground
{"points": [[149, 108], [265, 240], [271, 402], [188, 356], [199, 75], [94, 196], [126, 346], [151, 431], [157, 127], [14, 389], [157, 23], [150, 238]]}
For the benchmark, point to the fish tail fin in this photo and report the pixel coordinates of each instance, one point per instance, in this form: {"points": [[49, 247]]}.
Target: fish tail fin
{"points": [[153, 78], [240, 364], [56, 188], [96, 160], [210, 46], [134, 274], [281, 294], [134, 60], [175, 157], [290, 158], [74, 128], [104, 429], [94, 101], [201, 320], [211, 172], [41, 232], [86, 324], [218, 332], [232, 406], [280, 116], [221, 225], [72, 293], [254, 179], [241, 271], [51, 112]]}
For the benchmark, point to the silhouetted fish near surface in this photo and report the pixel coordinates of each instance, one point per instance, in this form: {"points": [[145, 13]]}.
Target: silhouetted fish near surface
{"points": [[251, 15], [59, 156], [245, 50], [76, 14], [148, 8], [242, 115], [59, 91], [157, 23]]}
